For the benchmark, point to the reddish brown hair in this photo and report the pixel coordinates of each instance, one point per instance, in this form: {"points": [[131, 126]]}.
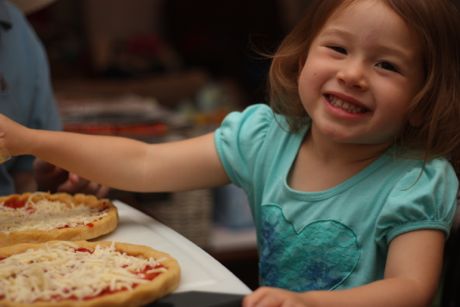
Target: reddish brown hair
{"points": [[437, 25]]}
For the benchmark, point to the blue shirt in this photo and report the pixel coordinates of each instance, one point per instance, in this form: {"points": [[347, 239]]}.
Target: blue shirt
{"points": [[337, 238], [26, 95]]}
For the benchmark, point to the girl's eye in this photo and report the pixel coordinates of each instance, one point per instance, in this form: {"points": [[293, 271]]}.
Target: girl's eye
{"points": [[338, 49], [387, 66]]}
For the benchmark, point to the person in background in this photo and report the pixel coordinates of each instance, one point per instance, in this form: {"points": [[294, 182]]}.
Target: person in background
{"points": [[351, 174], [26, 96]]}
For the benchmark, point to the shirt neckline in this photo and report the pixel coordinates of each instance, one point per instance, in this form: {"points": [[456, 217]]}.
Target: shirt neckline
{"points": [[339, 188]]}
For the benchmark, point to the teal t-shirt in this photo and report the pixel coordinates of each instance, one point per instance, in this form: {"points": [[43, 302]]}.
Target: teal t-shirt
{"points": [[337, 238]]}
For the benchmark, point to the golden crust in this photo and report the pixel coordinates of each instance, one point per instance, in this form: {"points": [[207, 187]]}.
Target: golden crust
{"points": [[162, 285], [102, 226]]}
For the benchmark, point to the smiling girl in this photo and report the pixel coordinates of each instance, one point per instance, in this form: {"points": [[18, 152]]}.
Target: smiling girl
{"points": [[350, 179]]}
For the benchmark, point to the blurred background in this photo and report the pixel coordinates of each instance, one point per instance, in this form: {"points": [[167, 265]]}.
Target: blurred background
{"points": [[160, 70], [140, 39]]}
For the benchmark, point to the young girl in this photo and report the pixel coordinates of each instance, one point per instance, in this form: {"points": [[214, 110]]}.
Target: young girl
{"points": [[346, 179]]}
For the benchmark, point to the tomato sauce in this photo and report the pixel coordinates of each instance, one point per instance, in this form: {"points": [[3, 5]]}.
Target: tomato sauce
{"points": [[15, 203]]}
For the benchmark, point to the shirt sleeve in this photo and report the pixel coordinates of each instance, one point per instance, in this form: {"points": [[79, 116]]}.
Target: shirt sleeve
{"points": [[422, 199], [41, 111], [239, 140], [45, 114]]}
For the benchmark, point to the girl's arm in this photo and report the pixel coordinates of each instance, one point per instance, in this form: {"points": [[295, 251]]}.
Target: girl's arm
{"points": [[411, 279], [121, 162]]}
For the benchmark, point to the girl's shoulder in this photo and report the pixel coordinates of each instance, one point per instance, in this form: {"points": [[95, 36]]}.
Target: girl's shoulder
{"points": [[411, 170], [417, 167], [251, 137], [255, 125], [419, 195], [255, 117], [259, 112]]}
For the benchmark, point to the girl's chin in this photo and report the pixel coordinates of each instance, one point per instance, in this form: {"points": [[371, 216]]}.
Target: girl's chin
{"points": [[341, 136]]}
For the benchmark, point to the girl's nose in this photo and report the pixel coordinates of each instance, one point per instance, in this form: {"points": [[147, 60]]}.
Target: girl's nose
{"points": [[352, 74]]}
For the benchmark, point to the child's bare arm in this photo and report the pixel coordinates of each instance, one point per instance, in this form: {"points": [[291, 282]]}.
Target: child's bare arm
{"points": [[120, 162], [411, 279]]}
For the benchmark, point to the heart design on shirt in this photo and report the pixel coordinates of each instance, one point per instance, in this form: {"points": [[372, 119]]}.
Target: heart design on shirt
{"points": [[318, 257]]}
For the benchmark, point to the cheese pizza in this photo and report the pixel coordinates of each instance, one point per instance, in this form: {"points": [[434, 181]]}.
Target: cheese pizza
{"points": [[40, 217], [81, 273]]}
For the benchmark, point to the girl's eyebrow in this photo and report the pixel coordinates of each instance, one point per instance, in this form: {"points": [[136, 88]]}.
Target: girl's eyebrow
{"points": [[404, 54], [336, 31]]}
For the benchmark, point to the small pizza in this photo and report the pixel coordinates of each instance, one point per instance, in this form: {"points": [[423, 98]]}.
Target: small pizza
{"points": [[41, 217], [82, 273]]}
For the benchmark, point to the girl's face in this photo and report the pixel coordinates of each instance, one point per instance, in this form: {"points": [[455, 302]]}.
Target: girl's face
{"points": [[362, 71]]}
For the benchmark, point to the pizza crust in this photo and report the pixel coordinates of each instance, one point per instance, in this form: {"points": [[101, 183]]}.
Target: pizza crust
{"points": [[160, 286], [102, 226]]}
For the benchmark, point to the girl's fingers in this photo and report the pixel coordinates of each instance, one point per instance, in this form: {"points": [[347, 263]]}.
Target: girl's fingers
{"points": [[102, 192], [261, 298], [273, 297], [74, 185], [4, 154]]}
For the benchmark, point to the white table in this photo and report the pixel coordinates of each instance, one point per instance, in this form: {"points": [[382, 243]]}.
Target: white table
{"points": [[200, 271]]}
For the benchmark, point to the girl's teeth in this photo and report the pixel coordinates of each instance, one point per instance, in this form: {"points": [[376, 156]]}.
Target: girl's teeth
{"points": [[339, 103]]}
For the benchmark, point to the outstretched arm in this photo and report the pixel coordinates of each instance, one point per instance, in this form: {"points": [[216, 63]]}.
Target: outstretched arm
{"points": [[121, 162], [411, 278]]}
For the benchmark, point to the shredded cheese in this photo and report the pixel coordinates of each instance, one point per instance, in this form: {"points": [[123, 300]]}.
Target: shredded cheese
{"points": [[59, 271], [47, 215]]}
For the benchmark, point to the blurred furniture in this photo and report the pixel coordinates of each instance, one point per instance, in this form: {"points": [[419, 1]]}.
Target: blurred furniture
{"points": [[168, 89]]}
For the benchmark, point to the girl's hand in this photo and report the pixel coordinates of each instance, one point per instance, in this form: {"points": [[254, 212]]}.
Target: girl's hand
{"points": [[76, 184], [4, 155], [13, 140], [54, 179], [274, 297]]}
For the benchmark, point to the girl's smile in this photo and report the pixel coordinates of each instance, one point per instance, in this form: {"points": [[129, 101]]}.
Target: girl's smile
{"points": [[341, 105]]}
